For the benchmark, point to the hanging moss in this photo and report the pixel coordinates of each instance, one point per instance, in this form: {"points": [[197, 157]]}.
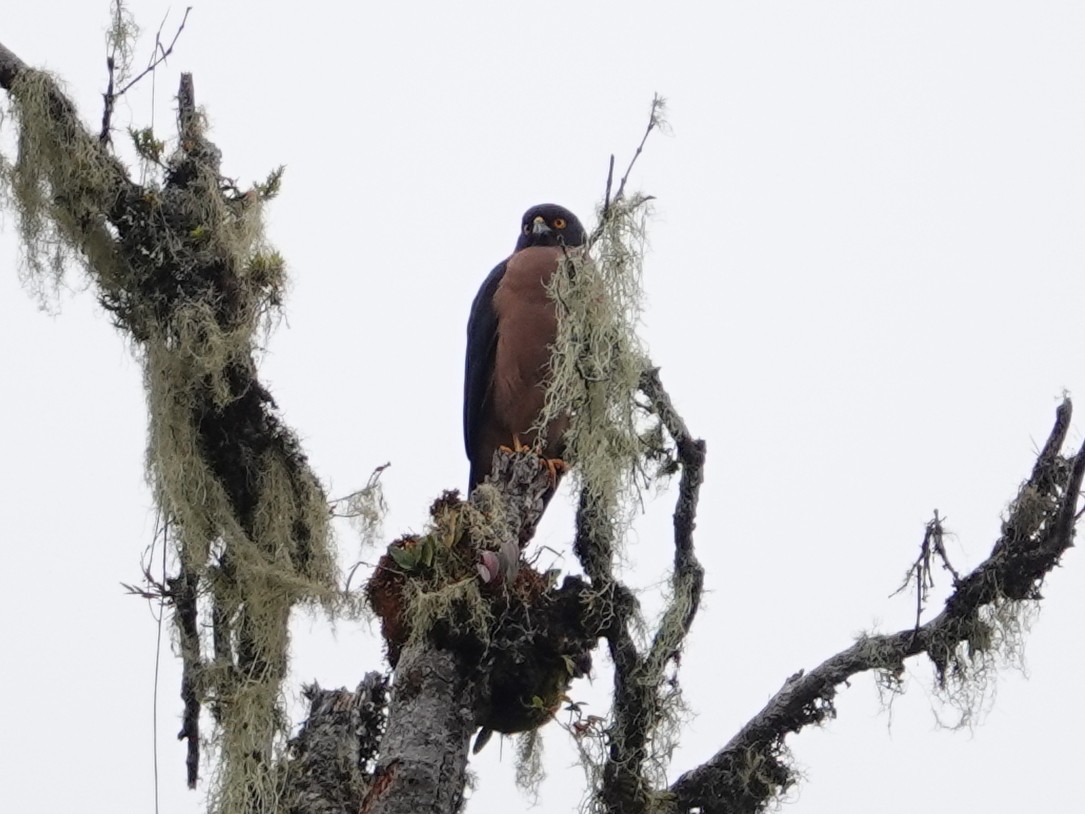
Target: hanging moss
{"points": [[184, 269], [596, 366]]}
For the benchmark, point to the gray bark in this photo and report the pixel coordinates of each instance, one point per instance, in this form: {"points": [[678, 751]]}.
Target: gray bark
{"points": [[330, 767], [423, 763]]}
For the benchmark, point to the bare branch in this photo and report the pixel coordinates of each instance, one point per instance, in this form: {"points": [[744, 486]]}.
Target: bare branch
{"points": [[654, 120], [183, 589], [107, 108], [750, 770], [920, 571]]}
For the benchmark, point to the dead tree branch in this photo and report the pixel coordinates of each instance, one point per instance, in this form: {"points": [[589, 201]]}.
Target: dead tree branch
{"points": [[920, 573], [751, 770], [183, 587]]}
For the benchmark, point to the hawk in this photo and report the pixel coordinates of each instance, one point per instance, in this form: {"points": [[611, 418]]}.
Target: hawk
{"points": [[509, 335]]}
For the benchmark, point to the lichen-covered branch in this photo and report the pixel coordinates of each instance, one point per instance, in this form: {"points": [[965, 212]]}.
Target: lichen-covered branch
{"points": [[181, 265], [980, 617], [688, 578], [63, 186], [644, 700]]}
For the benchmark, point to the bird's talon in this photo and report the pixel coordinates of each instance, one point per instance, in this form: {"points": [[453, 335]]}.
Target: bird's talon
{"points": [[556, 467]]}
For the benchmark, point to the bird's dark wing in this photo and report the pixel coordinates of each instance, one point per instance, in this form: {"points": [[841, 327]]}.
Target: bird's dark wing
{"points": [[479, 367]]}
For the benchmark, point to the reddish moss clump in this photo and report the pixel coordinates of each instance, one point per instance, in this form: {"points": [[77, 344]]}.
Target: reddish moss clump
{"points": [[384, 593]]}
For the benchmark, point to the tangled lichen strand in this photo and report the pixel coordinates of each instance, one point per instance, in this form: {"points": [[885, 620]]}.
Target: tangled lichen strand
{"points": [[365, 509], [967, 669], [245, 777], [530, 772], [597, 361]]}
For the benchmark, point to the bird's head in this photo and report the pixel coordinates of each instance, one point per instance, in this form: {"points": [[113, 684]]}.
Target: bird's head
{"points": [[550, 225]]}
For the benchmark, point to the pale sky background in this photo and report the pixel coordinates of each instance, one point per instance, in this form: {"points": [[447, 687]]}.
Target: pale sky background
{"points": [[865, 291]]}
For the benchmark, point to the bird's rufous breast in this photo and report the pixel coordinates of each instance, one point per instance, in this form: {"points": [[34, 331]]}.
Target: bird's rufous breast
{"points": [[527, 328]]}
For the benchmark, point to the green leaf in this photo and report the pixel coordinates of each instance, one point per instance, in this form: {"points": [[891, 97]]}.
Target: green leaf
{"points": [[426, 554], [407, 559]]}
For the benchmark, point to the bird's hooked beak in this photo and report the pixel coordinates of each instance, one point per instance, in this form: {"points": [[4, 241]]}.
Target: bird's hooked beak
{"points": [[538, 226]]}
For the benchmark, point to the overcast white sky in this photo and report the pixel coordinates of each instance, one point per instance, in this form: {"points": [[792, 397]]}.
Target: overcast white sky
{"points": [[865, 291]]}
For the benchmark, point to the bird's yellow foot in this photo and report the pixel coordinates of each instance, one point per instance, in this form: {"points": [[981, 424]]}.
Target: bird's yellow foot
{"points": [[556, 467], [516, 448]]}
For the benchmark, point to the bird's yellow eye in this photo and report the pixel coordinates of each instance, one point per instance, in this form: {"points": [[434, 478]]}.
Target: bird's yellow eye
{"points": [[559, 223]]}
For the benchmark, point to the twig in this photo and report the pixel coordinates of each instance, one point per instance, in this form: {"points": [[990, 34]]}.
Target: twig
{"points": [[108, 101], [160, 55], [353, 569], [610, 181], [655, 119], [374, 480], [158, 660], [658, 103], [932, 545]]}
